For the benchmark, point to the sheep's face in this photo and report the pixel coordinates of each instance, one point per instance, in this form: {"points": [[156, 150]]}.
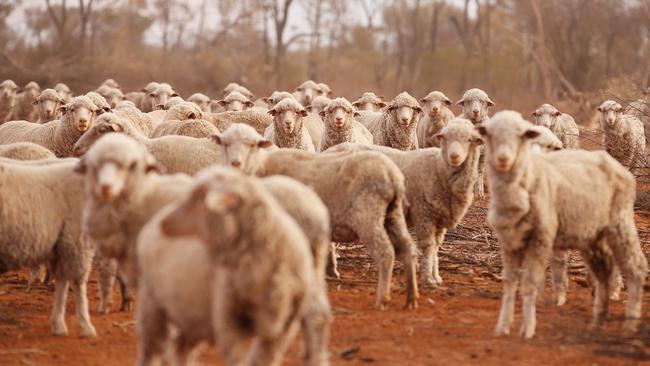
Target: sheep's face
{"points": [[8, 91], [114, 98], [31, 92], [107, 123], [235, 104], [475, 110], [288, 121], [203, 104], [339, 118], [405, 115], [434, 106], [507, 136], [48, 108], [609, 112], [323, 90], [65, 93], [240, 145], [546, 115], [80, 115], [457, 141], [307, 92], [160, 97]]}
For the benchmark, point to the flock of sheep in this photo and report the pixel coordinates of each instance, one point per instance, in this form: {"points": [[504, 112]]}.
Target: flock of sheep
{"points": [[242, 199]]}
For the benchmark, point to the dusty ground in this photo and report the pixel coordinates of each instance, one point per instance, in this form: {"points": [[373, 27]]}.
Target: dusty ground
{"points": [[452, 326]]}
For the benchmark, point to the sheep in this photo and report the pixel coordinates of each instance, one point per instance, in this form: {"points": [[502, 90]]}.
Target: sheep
{"points": [[273, 244], [318, 104], [185, 119], [24, 110], [624, 137], [547, 141], [25, 151], [47, 105], [202, 100], [176, 154], [341, 125], [64, 91], [396, 126], [306, 92], [161, 95], [40, 223], [439, 186], [7, 100], [141, 98], [277, 96], [111, 84], [142, 121], [234, 87], [170, 103], [364, 193], [324, 90], [59, 135], [99, 102], [538, 203], [436, 116], [235, 101], [287, 129], [561, 124], [369, 102], [475, 103], [112, 95]]}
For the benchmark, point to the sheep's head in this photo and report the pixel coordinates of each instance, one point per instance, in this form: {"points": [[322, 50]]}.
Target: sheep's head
{"points": [[104, 124], [287, 116], [48, 103], [111, 84], [31, 90], [369, 102], [507, 136], [8, 90], [241, 145], [339, 114], [458, 140], [546, 141], [114, 165], [276, 97], [318, 104], [113, 96], [609, 112], [150, 87], [202, 100], [80, 112], [63, 91], [184, 111], [235, 101], [434, 103], [405, 110], [546, 115], [100, 102], [126, 104], [475, 103], [161, 95], [307, 91], [324, 90], [170, 103]]}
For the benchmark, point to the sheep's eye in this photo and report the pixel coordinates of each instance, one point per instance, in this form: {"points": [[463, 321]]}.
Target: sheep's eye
{"points": [[133, 166]]}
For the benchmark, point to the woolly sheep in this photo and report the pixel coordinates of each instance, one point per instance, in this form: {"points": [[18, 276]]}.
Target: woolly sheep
{"points": [[475, 103], [532, 195], [200, 99], [288, 129], [142, 121], [306, 92], [235, 101], [161, 95], [40, 223], [439, 186], [24, 110], [64, 91], [185, 119], [60, 135], [324, 90], [547, 141], [378, 188], [624, 137], [47, 105], [99, 102], [7, 100], [176, 154], [113, 96], [111, 84], [341, 125], [396, 126], [436, 116], [25, 151], [369, 102], [561, 124], [273, 245], [234, 87], [141, 98], [318, 104], [171, 103], [277, 96]]}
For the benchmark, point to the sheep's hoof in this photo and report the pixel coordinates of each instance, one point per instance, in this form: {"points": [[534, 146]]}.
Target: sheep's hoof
{"points": [[561, 300], [630, 327], [333, 272], [615, 296], [87, 330], [103, 308], [126, 305], [501, 331], [59, 329], [411, 304], [432, 281], [527, 332], [382, 304]]}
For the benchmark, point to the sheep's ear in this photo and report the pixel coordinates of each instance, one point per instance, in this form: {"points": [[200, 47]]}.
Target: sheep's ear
{"points": [[447, 102], [221, 201], [216, 139], [249, 104], [175, 94], [322, 113], [266, 100], [618, 108], [476, 138], [272, 112], [533, 114], [423, 101], [80, 167], [481, 130], [599, 109], [309, 108], [381, 97], [143, 90], [63, 109], [381, 104], [191, 115], [557, 114], [439, 138], [222, 103], [35, 102], [356, 114], [490, 103], [461, 102], [264, 143], [418, 110], [356, 105], [153, 166], [152, 95], [531, 134], [98, 112], [303, 113]]}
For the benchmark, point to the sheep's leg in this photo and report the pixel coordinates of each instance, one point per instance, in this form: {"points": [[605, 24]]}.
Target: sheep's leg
{"points": [[599, 260], [382, 251], [511, 274], [127, 299], [59, 328], [182, 348], [270, 352], [332, 266], [316, 328], [107, 269], [86, 328], [479, 188], [559, 264], [151, 327], [35, 274], [615, 284], [534, 262], [405, 247]]}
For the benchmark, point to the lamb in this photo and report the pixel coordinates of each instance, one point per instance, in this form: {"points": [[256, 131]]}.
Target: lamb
{"points": [[161, 95], [112, 95], [25, 151], [624, 137], [7, 100], [318, 104], [40, 219], [532, 198], [369, 102], [368, 207], [396, 126], [176, 154], [60, 135], [64, 91], [235, 101], [24, 110], [324, 90], [47, 105], [436, 116], [234, 87], [273, 244], [200, 99], [185, 119], [306, 92], [475, 103], [561, 124], [287, 129], [341, 125], [439, 186]]}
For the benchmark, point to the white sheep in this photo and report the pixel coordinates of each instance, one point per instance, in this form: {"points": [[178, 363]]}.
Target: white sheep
{"points": [[7, 100], [306, 92], [24, 110], [370, 102], [396, 126], [141, 98], [111, 84], [561, 124], [341, 125], [538, 203], [436, 116], [99, 102], [318, 104], [64, 91], [547, 141], [200, 99], [185, 119], [47, 105], [235, 101], [364, 193], [234, 87], [276, 97], [161, 95], [624, 136], [59, 135], [25, 151], [170, 103], [475, 104], [113, 96], [288, 129], [324, 90]]}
